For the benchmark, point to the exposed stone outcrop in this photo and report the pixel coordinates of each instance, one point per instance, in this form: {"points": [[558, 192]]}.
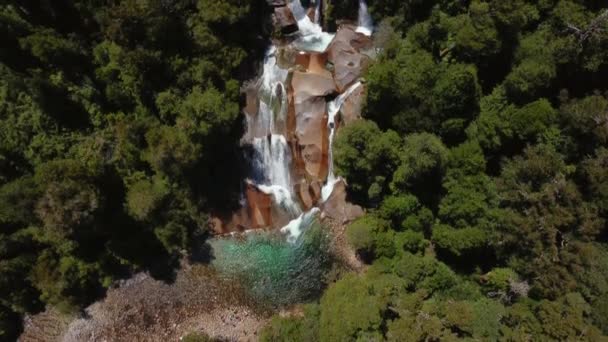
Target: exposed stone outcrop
{"points": [[344, 54], [259, 205], [284, 20], [351, 109], [251, 99], [337, 208], [310, 84], [309, 91]]}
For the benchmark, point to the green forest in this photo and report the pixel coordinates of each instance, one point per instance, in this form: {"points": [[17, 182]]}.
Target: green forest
{"points": [[118, 124], [481, 160]]}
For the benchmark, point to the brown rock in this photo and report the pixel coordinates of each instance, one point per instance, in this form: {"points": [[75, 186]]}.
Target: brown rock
{"points": [[311, 121], [310, 12], [251, 99], [344, 54], [315, 160], [259, 206], [315, 188], [313, 62], [302, 189], [310, 111], [317, 64], [307, 84], [312, 137], [337, 208], [216, 225], [284, 19], [238, 222], [302, 59], [351, 108]]}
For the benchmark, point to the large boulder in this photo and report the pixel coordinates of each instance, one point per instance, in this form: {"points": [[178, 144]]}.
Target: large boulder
{"points": [[312, 136], [284, 20], [310, 110], [310, 84], [337, 208], [250, 90], [351, 108], [343, 53]]}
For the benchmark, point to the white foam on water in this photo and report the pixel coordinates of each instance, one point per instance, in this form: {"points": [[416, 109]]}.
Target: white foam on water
{"points": [[296, 226], [282, 196], [312, 38]]}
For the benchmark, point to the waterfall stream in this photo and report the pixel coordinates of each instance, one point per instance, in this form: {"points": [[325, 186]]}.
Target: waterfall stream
{"points": [[312, 37], [318, 4], [332, 110], [272, 156], [366, 25]]}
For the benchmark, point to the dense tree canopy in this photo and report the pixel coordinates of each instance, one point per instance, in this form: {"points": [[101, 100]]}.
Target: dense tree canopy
{"points": [[115, 120]]}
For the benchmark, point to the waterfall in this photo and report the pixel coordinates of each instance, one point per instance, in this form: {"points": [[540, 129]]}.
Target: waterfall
{"points": [[271, 93], [365, 24], [306, 26], [312, 36], [295, 227], [272, 156], [289, 265], [272, 159], [275, 161], [318, 11], [271, 163], [332, 109]]}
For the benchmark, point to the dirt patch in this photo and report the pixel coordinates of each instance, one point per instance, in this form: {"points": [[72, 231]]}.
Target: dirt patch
{"points": [[340, 247], [145, 309], [48, 326]]}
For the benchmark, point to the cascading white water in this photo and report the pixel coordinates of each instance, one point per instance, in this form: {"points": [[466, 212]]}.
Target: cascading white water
{"points": [[272, 156], [274, 163], [272, 159], [305, 25], [270, 90], [365, 23], [312, 36], [318, 11], [294, 227], [332, 110]]}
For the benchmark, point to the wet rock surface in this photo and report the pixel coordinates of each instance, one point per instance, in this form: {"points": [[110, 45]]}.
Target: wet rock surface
{"points": [[260, 207], [313, 79]]}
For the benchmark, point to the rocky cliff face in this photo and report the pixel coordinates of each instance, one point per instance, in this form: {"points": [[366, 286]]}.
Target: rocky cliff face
{"points": [[300, 78]]}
